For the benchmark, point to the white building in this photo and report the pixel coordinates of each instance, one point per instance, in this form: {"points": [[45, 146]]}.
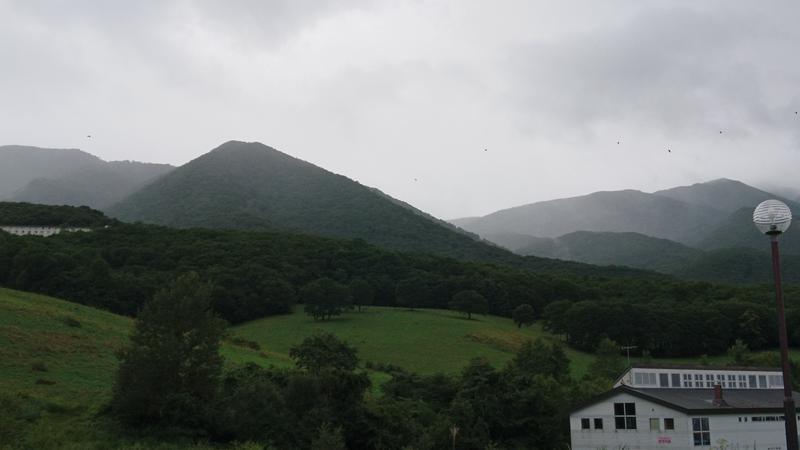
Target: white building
{"points": [[38, 230], [685, 407]]}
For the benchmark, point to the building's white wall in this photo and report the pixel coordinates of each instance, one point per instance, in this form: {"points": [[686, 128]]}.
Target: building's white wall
{"points": [[747, 435], [739, 435], [20, 230], [774, 379], [641, 438]]}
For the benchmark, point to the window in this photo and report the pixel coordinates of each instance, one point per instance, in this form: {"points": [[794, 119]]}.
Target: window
{"points": [[700, 431], [655, 425], [663, 380], [687, 380], [709, 380], [598, 424], [676, 380], [762, 381], [625, 416], [669, 423], [644, 379], [584, 424], [776, 380], [751, 380]]}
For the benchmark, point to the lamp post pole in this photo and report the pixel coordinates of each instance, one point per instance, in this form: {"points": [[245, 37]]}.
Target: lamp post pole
{"points": [[773, 217], [788, 399]]}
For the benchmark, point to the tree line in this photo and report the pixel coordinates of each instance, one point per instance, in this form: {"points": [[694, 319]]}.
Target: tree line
{"points": [[255, 274]]}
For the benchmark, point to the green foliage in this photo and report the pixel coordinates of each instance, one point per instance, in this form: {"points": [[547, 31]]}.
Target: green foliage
{"points": [[469, 302], [325, 298], [12, 213], [249, 405], [363, 293], [412, 292], [541, 358], [623, 249], [169, 373], [328, 438], [739, 352], [608, 363], [523, 315], [324, 351]]}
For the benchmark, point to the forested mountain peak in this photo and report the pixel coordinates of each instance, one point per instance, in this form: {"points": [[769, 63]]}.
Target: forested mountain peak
{"points": [[249, 185]]}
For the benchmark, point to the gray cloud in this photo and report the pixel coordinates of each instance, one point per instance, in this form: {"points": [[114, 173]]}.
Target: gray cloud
{"points": [[386, 92]]}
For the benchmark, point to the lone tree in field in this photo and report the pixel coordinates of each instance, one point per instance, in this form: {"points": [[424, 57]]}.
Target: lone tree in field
{"points": [[325, 298], [169, 373], [469, 302], [523, 315], [363, 293], [323, 351]]}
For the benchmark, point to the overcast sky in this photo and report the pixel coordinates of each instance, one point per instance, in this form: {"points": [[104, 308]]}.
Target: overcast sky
{"points": [[457, 107]]}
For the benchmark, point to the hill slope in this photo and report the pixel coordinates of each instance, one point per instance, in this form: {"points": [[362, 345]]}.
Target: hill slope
{"points": [[251, 186], [96, 186], [57, 367], [722, 195], [738, 231], [70, 177], [617, 211], [396, 336], [20, 164], [626, 249]]}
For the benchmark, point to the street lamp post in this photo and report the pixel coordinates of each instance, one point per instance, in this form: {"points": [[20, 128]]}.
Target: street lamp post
{"points": [[772, 218]]}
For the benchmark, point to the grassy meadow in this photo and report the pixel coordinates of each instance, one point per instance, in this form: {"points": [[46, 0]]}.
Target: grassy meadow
{"points": [[425, 341], [57, 360]]}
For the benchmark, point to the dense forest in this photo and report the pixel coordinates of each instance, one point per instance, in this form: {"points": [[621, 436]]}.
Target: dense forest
{"points": [[260, 273], [13, 213]]}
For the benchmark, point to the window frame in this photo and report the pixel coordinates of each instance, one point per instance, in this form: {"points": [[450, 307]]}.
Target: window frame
{"points": [[628, 417]]}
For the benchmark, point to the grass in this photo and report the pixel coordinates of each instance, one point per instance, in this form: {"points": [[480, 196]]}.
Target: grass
{"points": [[57, 360], [57, 366], [423, 341]]}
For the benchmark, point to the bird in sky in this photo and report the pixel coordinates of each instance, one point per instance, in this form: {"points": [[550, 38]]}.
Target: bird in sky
{"points": [[486, 149], [617, 142], [669, 150], [88, 136]]}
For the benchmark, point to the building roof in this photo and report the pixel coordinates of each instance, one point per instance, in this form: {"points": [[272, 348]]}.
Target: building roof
{"points": [[700, 401], [702, 367], [697, 367]]}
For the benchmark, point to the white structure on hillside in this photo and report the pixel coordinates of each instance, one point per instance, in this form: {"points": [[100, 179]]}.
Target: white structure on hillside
{"points": [[38, 230], [685, 407]]}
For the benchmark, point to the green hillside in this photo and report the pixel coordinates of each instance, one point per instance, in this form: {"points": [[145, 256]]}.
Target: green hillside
{"points": [[69, 176], [423, 341], [626, 249], [251, 186], [98, 186], [57, 368], [722, 195], [13, 213], [21, 164], [57, 361], [615, 211], [738, 231]]}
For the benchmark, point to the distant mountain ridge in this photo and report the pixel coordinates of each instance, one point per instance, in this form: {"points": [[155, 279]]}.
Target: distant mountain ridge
{"points": [[721, 245], [606, 211], [70, 176]]}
